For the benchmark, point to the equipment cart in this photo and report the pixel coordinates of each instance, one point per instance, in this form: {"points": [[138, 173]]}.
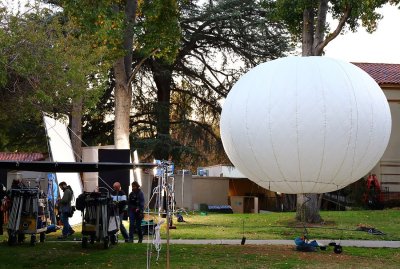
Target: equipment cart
{"points": [[28, 215], [100, 220]]}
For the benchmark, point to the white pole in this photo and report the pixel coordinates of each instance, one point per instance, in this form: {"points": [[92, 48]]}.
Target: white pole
{"points": [[183, 181]]}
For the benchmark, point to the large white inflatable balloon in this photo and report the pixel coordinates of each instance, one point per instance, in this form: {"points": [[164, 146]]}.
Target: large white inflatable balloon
{"points": [[305, 124]]}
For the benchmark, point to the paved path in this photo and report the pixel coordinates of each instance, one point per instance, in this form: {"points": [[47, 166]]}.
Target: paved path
{"points": [[344, 243]]}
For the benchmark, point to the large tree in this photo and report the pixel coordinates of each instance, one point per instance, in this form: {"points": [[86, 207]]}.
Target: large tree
{"points": [[114, 23], [177, 104], [220, 41], [307, 22]]}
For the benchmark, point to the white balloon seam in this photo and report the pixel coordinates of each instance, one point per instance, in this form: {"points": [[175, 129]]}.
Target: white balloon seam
{"points": [[352, 127], [247, 133], [271, 137], [324, 129], [284, 178], [235, 153]]}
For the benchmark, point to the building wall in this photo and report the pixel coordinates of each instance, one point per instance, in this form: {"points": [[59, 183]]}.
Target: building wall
{"points": [[209, 190], [267, 200], [223, 171], [388, 168], [183, 191]]}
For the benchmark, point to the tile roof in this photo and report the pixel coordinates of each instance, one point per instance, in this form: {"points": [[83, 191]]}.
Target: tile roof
{"points": [[382, 73], [21, 156]]}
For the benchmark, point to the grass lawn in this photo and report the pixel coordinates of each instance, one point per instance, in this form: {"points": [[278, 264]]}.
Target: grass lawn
{"points": [[55, 254], [71, 255], [337, 225]]}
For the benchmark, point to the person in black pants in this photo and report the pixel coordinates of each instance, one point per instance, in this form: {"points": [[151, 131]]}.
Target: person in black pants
{"points": [[120, 199], [135, 209]]}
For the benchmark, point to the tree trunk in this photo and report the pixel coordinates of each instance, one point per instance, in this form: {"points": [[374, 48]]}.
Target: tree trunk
{"points": [[76, 128], [308, 32], [320, 27], [307, 208], [308, 205], [123, 99], [162, 75], [289, 202], [123, 90]]}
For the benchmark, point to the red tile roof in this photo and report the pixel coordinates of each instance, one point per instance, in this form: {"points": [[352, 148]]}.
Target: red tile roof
{"points": [[382, 73], [21, 156]]}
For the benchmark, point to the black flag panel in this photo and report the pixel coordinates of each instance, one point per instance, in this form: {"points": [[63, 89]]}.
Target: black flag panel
{"points": [[109, 177]]}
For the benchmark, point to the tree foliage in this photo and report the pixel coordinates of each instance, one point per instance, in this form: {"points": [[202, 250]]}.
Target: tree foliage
{"points": [[307, 19], [177, 104], [113, 23], [47, 66]]}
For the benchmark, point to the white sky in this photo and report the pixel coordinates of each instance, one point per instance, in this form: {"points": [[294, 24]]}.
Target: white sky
{"points": [[382, 46]]}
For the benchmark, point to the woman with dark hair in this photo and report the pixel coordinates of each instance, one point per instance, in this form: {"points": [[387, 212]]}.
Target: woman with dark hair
{"points": [[135, 209]]}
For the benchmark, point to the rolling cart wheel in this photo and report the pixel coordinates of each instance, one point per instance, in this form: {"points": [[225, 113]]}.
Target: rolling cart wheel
{"points": [[84, 242], [338, 249], [12, 239], [33, 240], [114, 239], [42, 237], [106, 242]]}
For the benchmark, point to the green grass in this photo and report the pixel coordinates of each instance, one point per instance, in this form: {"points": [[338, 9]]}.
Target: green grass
{"points": [[71, 255], [337, 224], [54, 254]]}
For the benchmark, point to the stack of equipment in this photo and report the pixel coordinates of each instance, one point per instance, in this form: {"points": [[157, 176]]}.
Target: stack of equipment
{"points": [[28, 214], [100, 220]]}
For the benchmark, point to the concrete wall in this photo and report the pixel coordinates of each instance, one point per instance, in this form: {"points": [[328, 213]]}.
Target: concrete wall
{"points": [[209, 190], [223, 171], [184, 185]]}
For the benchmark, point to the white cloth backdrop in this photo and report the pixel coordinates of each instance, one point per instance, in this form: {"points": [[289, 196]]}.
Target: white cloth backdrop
{"points": [[61, 151]]}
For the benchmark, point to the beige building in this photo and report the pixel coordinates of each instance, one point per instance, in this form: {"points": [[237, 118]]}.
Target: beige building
{"points": [[388, 168]]}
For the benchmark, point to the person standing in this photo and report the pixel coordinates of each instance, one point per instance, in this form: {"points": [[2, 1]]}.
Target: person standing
{"points": [[3, 205], [64, 208], [119, 197], [135, 209]]}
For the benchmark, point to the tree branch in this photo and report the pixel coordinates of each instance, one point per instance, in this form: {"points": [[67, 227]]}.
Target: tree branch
{"points": [[204, 126], [334, 34], [321, 21], [215, 106], [136, 69]]}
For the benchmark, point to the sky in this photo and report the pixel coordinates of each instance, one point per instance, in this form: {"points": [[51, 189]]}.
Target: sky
{"points": [[382, 46]]}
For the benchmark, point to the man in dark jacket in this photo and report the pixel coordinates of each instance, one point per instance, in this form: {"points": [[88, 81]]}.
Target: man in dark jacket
{"points": [[119, 197], [64, 208], [135, 208]]}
